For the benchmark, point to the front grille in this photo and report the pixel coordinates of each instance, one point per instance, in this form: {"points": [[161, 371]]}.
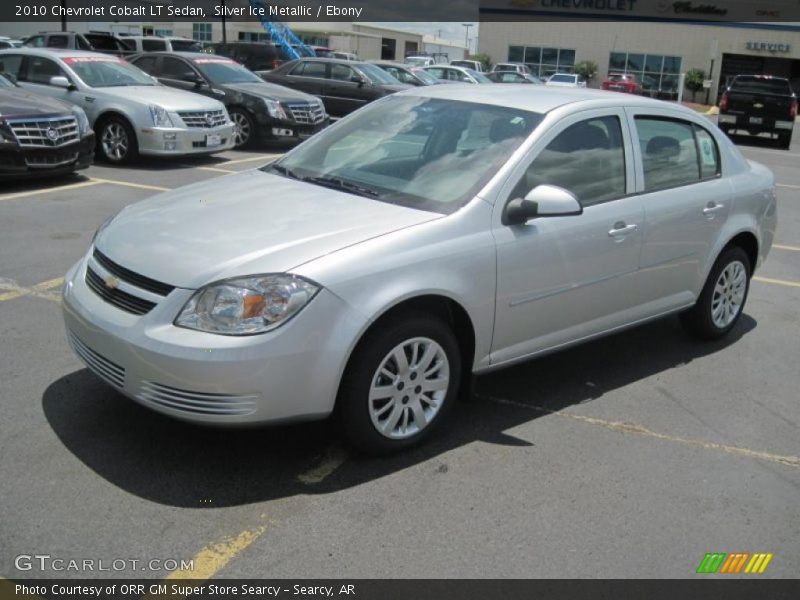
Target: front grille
{"points": [[99, 365], [51, 160], [140, 281], [307, 114], [122, 300], [203, 119], [196, 402], [52, 132]]}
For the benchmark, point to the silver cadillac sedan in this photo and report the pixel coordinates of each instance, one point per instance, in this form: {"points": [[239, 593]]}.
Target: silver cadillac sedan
{"points": [[131, 112], [436, 233]]}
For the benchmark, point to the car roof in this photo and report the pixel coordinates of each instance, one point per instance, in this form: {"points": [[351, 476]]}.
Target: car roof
{"points": [[187, 55], [543, 100], [54, 52], [337, 61]]}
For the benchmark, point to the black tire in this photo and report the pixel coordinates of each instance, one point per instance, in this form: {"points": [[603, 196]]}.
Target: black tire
{"points": [[245, 127], [116, 128], [725, 130], [699, 320], [785, 140], [354, 408]]}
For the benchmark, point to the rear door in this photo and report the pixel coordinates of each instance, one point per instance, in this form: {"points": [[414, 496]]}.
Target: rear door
{"points": [[686, 203], [308, 76], [345, 90]]}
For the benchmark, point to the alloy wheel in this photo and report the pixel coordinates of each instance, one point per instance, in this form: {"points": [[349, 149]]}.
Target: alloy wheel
{"points": [[115, 142], [729, 292], [241, 129], [409, 387]]}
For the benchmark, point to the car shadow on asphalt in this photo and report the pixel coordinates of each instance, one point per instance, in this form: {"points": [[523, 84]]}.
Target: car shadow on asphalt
{"points": [[756, 141], [177, 464]]}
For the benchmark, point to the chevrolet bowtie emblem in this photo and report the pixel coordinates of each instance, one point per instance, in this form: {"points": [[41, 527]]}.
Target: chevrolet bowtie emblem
{"points": [[758, 105], [111, 282]]}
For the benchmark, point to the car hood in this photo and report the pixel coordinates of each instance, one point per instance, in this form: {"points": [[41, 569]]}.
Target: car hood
{"points": [[169, 99], [244, 224], [271, 90], [395, 87], [18, 102]]}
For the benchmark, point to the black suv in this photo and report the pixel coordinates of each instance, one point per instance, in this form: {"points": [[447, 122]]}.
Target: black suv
{"points": [[39, 135], [261, 111], [256, 56], [343, 85]]}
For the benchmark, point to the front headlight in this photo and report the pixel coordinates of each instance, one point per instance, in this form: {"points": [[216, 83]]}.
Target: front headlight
{"points": [[83, 121], [275, 109], [247, 305], [160, 116]]}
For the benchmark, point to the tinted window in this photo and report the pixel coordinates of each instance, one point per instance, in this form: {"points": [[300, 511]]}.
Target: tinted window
{"points": [[40, 70], [174, 68], [82, 44], [185, 46], [147, 64], [104, 42], [10, 63], [587, 158], [669, 153], [342, 72], [761, 85], [310, 69], [153, 45], [57, 41]]}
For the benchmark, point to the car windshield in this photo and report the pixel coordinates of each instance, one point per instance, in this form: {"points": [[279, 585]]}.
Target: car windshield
{"points": [[419, 62], [424, 76], [107, 71], [185, 46], [222, 71], [378, 75], [563, 78], [761, 85], [425, 153]]}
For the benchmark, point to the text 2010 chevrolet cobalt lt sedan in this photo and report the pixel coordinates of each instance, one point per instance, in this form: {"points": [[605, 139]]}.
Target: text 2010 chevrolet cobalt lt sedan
{"points": [[433, 234]]}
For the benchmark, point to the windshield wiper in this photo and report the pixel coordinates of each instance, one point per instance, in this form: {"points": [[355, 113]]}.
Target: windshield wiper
{"points": [[337, 183]]}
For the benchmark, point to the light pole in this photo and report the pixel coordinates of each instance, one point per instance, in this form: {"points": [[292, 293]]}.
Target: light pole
{"points": [[466, 34]]}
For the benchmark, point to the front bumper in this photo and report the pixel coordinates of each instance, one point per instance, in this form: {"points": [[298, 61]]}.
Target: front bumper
{"points": [[291, 373], [283, 130], [176, 141], [17, 161]]}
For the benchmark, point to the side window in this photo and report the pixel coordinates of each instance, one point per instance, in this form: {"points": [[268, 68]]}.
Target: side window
{"points": [[454, 75], [148, 65], [709, 153], [82, 44], [10, 63], [341, 72], [438, 73], [310, 69], [153, 45], [587, 158], [57, 41], [36, 41], [669, 153], [40, 70], [174, 68]]}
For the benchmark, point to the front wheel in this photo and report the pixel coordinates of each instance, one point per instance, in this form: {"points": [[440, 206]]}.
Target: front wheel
{"points": [[399, 384], [723, 297], [243, 128], [117, 141]]}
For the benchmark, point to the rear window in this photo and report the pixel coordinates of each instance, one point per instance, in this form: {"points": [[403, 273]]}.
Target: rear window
{"points": [[761, 85], [185, 46]]}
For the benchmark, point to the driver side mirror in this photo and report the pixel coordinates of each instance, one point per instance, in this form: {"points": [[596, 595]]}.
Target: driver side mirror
{"points": [[361, 81], [62, 82], [193, 78], [542, 201]]}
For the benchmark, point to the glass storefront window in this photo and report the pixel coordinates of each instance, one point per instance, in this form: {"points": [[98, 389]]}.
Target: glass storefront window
{"points": [[658, 74], [533, 55], [617, 61], [566, 57], [516, 53], [635, 62], [653, 64], [543, 62], [672, 64]]}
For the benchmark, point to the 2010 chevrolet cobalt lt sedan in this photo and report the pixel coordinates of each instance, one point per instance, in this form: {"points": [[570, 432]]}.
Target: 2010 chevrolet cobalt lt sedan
{"points": [[436, 233]]}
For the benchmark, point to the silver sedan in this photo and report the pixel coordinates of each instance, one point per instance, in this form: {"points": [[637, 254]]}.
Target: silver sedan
{"points": [[130, 112], [436, 233]]}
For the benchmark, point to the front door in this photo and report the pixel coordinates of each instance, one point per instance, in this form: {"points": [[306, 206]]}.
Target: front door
{"points": [[560, 279]]}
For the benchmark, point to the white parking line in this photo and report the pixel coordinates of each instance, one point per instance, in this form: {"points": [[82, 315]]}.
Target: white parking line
{"points": [[60, 188]]}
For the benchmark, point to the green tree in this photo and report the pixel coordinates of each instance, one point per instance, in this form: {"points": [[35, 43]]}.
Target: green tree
{"points": [[694, 81], [587, 70], [482, 58]]}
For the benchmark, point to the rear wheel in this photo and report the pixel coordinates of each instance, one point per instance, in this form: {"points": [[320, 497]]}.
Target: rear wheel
{"points": [[785, 140], [722, 300], [401, 381]]}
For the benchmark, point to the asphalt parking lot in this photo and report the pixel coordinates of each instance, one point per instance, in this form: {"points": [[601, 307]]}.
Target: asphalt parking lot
{"points": [[631, 456]]}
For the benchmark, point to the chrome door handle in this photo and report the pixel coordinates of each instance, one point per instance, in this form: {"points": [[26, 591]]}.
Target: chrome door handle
{"points": [[621, 230], [712, 209]]}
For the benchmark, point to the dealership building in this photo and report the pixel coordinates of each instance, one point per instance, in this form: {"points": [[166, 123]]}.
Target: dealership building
{"points": [[656, 51]]}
